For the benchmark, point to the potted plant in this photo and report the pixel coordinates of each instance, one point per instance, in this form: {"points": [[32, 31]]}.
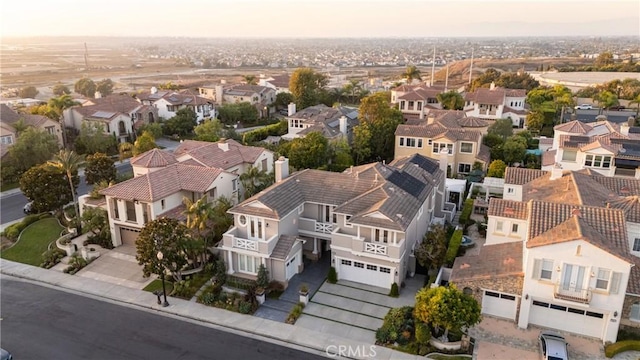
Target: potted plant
{"points": [[304, 294], [261, 282]]}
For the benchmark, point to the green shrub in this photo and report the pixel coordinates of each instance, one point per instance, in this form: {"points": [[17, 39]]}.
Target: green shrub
{"points": [[621, 346], [44, 216], [382, 335], [30, 219], [394, 290], [295, 313], [396, 324], [244, 307], [263, 277], [51, 257], [454, 246], [12, 232], [76, 263], [465, 215], [333, 276], [240, 283], [278, 129], [208, 298], [423, 334]]}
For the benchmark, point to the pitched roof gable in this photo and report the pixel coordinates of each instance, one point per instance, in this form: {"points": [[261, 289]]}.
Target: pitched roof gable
{"points": [[521, 176]]}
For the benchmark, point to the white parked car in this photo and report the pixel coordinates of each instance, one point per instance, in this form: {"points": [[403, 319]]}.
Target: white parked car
{"points": [[584, 107], [552, 346]]}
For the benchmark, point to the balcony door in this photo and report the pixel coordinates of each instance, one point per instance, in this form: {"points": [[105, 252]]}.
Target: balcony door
{"points": [[573, 277], [255, 229], [326, 215]]}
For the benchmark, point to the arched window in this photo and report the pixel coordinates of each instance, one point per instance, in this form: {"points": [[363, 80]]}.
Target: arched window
{"points": [[121, 128], [151, 119]]}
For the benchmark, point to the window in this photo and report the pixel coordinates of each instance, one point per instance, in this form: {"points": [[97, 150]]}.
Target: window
{"points": [[346, 221], [213, 193], [635, 312], [466, 147], [430, 142], [410, 105], [7, 140], [242, 220], [419, 105], [569, 155], [234, 184], [162, 205], [131, 211], [295, 123], [381, 235], [401, 141], [437, 147], [464, 168], [510, 190], [514, 228], [346, 262], [636, 244], [543, 269], [599, 161], [499, 226], [372, 267], [358, 264], [385, 270], [602, 281], [51, 130], [114, 206], [401, 105], [248, 264], [432, 100]]}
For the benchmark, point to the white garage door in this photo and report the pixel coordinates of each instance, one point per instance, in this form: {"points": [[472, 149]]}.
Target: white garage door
{"points": [[566, 318], [128, 236], [499, 304], [291, 267], [365, 273]]}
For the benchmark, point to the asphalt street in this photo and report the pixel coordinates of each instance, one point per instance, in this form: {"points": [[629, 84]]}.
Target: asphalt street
{"points": [[42, 323], [11, 205]]}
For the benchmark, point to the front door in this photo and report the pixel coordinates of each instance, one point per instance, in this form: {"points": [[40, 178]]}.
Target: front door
{"points": [[454, 197]]}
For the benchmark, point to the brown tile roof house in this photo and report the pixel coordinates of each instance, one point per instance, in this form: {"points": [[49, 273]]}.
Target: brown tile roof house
{"points": [[154, 158], [495, 96], [108, 107], [549, 157], [223, 154], [184, 97], [164, 182], [500, 260], [521, 176], [508, 208], [281, 81]]}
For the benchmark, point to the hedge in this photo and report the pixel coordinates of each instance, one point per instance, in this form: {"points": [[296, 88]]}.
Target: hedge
{"points": [[454, 246], [13, 231], [621, 346], [467, 208], [256, 135]]}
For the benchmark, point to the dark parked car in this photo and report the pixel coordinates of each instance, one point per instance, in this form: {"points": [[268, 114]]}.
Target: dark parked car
{"points": [[552, 346], [616, 107]]}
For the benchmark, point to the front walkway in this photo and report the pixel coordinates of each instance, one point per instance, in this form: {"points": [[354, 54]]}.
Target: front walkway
{"points": [[354, 311], [313, 275]]}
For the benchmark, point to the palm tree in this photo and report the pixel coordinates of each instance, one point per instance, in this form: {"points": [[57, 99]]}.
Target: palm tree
{"points": [[58, 105], [411, 73], [19, 126], [636, 101], [250, 79], [69, 162], [199, 213], [254, 180], [605, 100]]}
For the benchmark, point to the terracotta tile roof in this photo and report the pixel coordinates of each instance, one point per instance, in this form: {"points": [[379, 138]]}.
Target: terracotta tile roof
{"points": [[549, 157], [574, 127], [487, 96], [154, 158], [514, 111], [184, 97], [213, 154], [9, 116], [515, 92], [472, 122], [281, 81], [521, 176], [546, 141], [498, 260], [508, 209], [164, 182], [175, 213], [112, 104], [633, 286]]}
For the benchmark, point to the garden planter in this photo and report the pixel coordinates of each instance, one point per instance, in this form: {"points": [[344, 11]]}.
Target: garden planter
{"points": [[260, 296], [304, 297]]}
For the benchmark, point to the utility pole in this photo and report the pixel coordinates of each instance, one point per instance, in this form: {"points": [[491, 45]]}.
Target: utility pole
{"points": [[86, 57], [446, 80], [471, 67], [433, 65]]}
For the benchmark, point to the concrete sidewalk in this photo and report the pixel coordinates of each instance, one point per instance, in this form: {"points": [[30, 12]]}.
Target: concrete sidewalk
{"points": [[323, 343]]}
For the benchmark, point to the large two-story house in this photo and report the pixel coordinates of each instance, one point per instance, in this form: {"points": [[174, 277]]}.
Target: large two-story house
{"points": [[332, 123], [279, 83], [9, 134], [562, 252], [168, 102], [414, 100], [449, 130], [368, 219], [604, 147], [497, 103], [261, 97], [163, 179]]}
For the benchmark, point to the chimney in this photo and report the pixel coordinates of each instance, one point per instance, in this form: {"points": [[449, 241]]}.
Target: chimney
{"points": [[98, 95], [154, 90], [219, 94], [444, 160], [224, 146], [282, 168], [343, 125], [624, 129], [492, 86], [291, 109], [430, 119], [422, 113], [556, 173]]}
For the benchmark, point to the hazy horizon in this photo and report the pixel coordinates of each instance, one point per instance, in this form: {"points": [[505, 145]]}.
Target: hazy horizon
{"points": [[314, 19]]}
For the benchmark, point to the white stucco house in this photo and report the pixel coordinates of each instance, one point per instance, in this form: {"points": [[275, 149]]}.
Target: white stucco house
{"points": [[168, 103], [497, 103]]}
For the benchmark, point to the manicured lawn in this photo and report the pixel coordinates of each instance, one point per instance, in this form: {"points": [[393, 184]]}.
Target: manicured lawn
{"points": [[157, 285], [34, 241]]}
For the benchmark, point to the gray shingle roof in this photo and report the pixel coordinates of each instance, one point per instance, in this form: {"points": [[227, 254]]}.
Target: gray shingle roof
{"points": [[283, 247]]}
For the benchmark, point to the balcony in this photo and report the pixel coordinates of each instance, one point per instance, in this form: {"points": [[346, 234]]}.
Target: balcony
{"points": [[312, 227], [375, 249], [571, 293], [360, 245], [237, 239], [245, 244]]}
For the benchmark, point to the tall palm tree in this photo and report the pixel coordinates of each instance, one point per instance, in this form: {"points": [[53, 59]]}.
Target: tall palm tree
{"points": [[69, 162], [411, 73], [199, 213], [254, 181], [58, 105], [636, 101]]}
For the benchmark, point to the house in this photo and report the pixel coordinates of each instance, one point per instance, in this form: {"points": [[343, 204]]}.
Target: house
{"points": [[497, 103], [412, 100], [604, 147], [449, 130], [163, 179], [168, 102], [562, 252], [279, 83], [119, 115], [8, 133], [261, 97], [332, 123], [368, 219]]}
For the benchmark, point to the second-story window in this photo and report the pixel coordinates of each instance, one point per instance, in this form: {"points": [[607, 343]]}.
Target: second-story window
{"points": [[602, 281], [466, 147], [131, 211], [381, 235], [116, 211]]}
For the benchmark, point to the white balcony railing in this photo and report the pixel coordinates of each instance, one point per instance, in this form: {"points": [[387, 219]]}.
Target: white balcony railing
{"points": [[245, 244], [375, 248], [325, 228], [571, 293]]}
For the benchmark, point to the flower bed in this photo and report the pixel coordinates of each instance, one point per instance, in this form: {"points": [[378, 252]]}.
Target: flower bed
{"points": [[214, 296]]}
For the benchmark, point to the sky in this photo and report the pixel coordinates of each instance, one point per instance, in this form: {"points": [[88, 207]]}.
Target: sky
{"points": [[312, 18]]}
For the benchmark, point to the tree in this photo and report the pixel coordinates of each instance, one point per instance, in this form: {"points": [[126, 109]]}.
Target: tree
{"points": [[154, 128], [182, 123], [606, 99], [250, 79], [208, 130], [221, 219], [60, 89], [383, 119], [99, 167], [447, 307], [86, 87], [306, 86], [489, 76], [44, 110], [362, 143], [502, 127], [105, 87], [340, 155], [125, 150], [198, 214], [283, 99], [451, 100], [165, 235], [515, 149], [535, 120], [636, 101], [93, 139], [433, 248], [604, 59], [28, 92], [255, 180], [96, 220], [519, 80], [68, 161], [47, 187], [144, 143], [353, 89], [309, 152], [497, 169], [33, 147], [410, 73], [60, 103]]}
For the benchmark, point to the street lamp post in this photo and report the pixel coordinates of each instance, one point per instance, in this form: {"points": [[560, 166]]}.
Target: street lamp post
{"points": [[160, 256]]}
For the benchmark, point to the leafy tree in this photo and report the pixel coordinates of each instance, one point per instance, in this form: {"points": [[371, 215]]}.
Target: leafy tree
{"points": [[95, 219], [143, 143], [86, 87], [497, 169], [199, 214], [60, 103], [254, 180], [105, 87], [636, 101], [515, 149], [502, 127], [60, 89], [354, 90], [242, 112], [376, 110], [44, 110], [182, 123], [489, 76], [208, 130], [33, 147], [306, 86], [221, 219], [125, 150], [606, 58], [362, 143], [68, 161], [250, 79], [283, 99], [263, 277], [93, 139], [606, 99], [451, 100], [47, 187], [165, 235], [28, 92], [433, 248], [512, 80], [99, 167], [340, 154], [169, 86], [447, 307], [154, 128], [410, 73], [535, 120]]}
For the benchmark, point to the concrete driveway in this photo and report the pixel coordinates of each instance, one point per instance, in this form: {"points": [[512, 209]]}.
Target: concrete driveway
{"points": [[117, 266]]}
